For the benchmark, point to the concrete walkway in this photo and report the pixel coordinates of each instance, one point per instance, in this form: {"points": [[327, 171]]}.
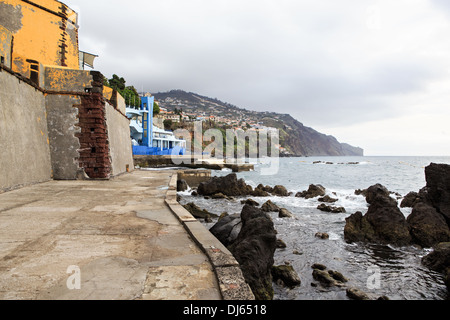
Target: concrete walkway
{"points": [[99, 240]]}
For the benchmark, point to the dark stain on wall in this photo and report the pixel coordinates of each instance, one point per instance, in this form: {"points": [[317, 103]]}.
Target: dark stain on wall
{"points": [[64, 35], [11, 17]]}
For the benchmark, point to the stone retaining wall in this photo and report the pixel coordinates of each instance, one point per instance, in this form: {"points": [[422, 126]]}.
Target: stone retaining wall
{"points": [[231, 280]]}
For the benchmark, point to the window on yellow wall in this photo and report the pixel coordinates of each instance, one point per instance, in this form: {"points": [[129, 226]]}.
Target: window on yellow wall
{"points": [[34, 71]]}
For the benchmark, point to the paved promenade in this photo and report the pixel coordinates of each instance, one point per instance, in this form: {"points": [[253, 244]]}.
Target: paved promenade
{"points": [[99, 240]]}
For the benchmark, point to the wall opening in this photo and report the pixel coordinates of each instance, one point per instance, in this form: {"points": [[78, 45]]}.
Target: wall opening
{"points": [[34, 71]]}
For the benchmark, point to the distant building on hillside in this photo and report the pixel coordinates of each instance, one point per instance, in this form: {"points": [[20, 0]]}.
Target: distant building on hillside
{"points": [[149, 139]]}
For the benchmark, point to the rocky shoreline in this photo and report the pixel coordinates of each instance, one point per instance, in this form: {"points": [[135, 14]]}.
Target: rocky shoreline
{"points": [[252, 238]]}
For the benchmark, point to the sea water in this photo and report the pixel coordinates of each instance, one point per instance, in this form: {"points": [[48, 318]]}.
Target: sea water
{"points": [[400, 274]]}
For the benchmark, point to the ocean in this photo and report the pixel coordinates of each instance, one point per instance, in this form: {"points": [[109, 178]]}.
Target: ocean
{"points": [[400, 274]]}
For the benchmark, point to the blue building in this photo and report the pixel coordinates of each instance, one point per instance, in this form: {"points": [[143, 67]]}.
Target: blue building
{"points": [[148, 139]]}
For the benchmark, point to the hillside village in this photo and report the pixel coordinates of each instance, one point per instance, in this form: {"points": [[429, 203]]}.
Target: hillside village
{"points": [[179, 106], [296, 139]]}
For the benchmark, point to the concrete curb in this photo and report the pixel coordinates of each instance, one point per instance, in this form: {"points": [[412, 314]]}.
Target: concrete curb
{"points": [[228, 272]]}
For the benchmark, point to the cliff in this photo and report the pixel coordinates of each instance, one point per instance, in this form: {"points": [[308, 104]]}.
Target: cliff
{"points": [[296, 138]]}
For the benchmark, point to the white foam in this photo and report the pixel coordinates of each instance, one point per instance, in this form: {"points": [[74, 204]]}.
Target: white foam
{"points": [[334, 236], [348, 199], [406, 211]]}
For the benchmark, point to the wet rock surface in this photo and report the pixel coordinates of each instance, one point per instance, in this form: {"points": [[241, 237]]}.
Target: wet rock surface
{"points": [[228, 185], [287, 275], [197, 212], [426, 226], [439, 261], [312, 192], [251, 238], [383, 223], [227, 229]]}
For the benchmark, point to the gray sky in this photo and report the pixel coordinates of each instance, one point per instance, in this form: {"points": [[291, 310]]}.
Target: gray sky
{"points": [[373, 73]]}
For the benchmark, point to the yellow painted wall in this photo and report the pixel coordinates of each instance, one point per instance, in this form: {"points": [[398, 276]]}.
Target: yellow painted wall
{"points": [[46, 32], [63, 79], [107, 92]]}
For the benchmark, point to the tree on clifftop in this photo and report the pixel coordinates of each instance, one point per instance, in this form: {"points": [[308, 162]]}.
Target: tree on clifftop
{"points": [[128, 92], [156, 109], [117, 83]]}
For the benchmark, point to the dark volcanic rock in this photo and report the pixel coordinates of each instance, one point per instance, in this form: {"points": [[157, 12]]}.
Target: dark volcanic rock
{"points": [[281, 244], [254, 249], [376, 190], [388, 221], [383, 223], [312, 192], [319, 266], [269, 206], [219, 195], [337, 276], [261, 191], [182, 185], [323, 207], [439, 260], [410, 200], [358, 229], [322, 235], [286, 274], [438, 188], [228, 185], [250, 202], [328, 199], [268, 189], [227, 229], [356, 294], [324, 278], [285, 213], [360, 192], [280, 191], [198, 212], [327, 278], [427, 226]]}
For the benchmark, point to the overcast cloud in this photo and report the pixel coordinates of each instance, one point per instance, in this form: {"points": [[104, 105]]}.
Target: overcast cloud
{"points": [[374, 74]]}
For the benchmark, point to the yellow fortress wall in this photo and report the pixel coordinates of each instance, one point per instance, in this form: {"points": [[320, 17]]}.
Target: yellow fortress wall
{"points": [[56, 121], [44, 31]]}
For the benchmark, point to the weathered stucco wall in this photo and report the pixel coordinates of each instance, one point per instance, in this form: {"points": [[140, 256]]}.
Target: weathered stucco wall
{"points": [[66, 86], [66, 80], [119, 140], [6, 39], [24, 144], [62, 118], [54, 120]]}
